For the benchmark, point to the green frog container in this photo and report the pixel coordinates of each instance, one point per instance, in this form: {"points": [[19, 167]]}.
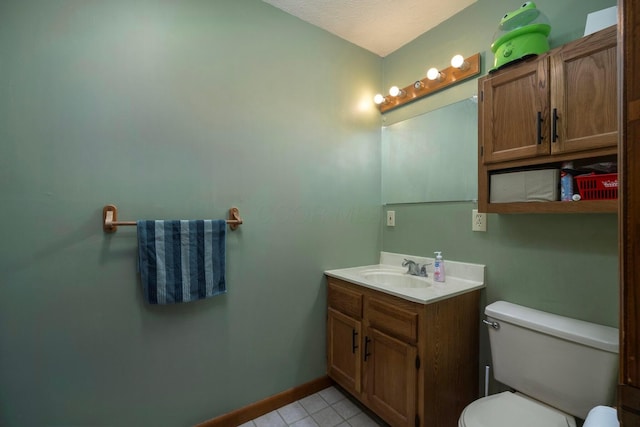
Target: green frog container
{"points": [[521, 34]]}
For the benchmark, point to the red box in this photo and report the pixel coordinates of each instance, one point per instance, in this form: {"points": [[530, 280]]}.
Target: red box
{"points": [[598, 187]]}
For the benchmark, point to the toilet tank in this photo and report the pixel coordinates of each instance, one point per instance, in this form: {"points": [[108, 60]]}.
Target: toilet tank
{"points": [[569, 364]]}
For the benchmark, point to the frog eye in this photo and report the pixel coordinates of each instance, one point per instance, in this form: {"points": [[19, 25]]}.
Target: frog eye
{"points": [[525, 4]]}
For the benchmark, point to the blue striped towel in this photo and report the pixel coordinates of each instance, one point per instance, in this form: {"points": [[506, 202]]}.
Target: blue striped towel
{"points": [[181, 260]]}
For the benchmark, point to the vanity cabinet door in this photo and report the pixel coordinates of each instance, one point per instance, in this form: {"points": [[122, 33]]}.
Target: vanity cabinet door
{"points": [[391, 378], [344, 350]]}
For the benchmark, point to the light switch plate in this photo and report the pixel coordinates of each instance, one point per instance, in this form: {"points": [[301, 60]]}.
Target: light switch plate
{"points": [[391, 218]]}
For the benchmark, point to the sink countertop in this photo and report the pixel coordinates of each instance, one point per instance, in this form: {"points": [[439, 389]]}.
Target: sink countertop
{"points": [[460, 278]]}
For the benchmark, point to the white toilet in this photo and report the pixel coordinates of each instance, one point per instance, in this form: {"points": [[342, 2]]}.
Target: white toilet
{"points": [[559, 367]]}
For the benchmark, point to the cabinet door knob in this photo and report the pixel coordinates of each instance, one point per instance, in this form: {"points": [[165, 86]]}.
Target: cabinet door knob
{"points": [[354, 341]]}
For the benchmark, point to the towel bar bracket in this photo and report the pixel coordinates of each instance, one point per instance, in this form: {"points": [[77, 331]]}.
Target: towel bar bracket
{"points": [[109, 216], [234, 218], [110, 221]]}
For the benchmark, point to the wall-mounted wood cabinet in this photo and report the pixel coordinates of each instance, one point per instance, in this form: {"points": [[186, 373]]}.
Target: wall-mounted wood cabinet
{"points": [[561, 106], [412, 364]]}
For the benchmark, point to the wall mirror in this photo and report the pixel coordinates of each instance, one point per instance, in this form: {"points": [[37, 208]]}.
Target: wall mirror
{"points": [[432, 157]]}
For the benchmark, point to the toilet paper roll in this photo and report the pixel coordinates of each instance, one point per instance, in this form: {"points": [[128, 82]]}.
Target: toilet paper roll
{"points": [[601, 416]]}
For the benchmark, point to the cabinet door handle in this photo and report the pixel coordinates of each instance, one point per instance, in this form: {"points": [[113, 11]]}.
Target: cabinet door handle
{"points": [[540, 137], [555, 125], [367, 340], [354, 341]]}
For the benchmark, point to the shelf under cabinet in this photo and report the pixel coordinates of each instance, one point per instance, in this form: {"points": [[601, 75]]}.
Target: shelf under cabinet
{"points": [[582, 206]]}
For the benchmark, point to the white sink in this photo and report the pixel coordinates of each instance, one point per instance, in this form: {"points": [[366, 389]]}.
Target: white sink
{"points": [[390, 277], [396, 279]]}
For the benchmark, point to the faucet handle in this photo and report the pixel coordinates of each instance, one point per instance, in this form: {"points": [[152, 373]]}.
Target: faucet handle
{"points": [[423, 270]]}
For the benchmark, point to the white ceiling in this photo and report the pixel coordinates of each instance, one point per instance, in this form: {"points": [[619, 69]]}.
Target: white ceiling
{"points": [[380, 26]]}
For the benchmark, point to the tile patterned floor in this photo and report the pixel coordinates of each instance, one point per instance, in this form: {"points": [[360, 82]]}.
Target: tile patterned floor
{"points": [[327, 408]]}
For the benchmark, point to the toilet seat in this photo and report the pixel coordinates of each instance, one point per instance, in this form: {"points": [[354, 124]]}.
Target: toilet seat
{"points": [[509, 409]]}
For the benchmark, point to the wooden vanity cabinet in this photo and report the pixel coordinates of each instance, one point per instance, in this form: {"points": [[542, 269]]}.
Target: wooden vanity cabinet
{"points": [[412, 364], [560, 106]]}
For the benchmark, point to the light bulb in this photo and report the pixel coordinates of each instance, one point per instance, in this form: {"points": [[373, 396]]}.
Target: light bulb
{"points": [[378, 99], [396, 91], [459, 62], [434, 74]]}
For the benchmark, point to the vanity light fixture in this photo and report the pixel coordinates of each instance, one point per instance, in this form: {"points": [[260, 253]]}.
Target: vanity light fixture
{"points": [[436, 80]]}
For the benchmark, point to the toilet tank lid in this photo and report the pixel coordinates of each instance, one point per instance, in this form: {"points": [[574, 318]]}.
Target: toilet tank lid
{"points": [[587, 333]]}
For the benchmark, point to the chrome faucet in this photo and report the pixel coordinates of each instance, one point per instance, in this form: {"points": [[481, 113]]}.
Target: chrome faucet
{"points": [[415, 269], [412, 267]]}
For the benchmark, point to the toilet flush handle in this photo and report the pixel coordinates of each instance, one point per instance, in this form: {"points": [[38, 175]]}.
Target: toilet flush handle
{"points": [[494, 325]]}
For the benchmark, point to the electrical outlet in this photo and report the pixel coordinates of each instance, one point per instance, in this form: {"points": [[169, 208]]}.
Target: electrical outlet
{"points": [[391, 218], [478, 220]]}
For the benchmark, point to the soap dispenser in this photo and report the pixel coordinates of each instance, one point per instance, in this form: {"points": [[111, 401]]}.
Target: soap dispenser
{"points": [[438, 267]]}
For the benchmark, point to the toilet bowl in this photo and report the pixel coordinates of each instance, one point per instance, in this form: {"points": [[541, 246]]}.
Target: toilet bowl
{"points": [[561, 368], [509, 409]]}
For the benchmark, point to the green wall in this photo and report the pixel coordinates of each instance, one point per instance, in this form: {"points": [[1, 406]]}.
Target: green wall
{"points": [[173, 110], [565, 264]]}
